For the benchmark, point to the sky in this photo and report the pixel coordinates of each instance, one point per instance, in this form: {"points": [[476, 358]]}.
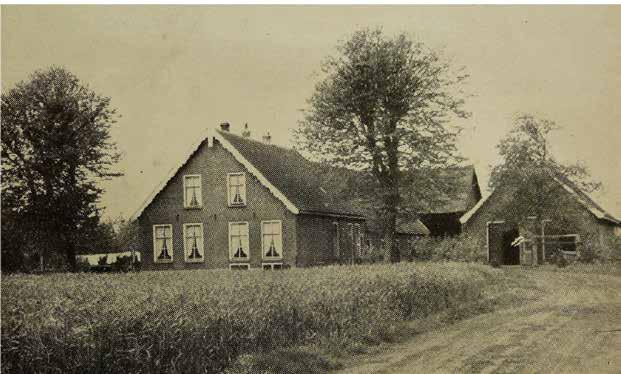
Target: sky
{"points": [[173, 71]]}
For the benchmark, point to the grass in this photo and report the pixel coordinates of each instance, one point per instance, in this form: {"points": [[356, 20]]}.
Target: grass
{"points": [[607, 268], [212, 321]]}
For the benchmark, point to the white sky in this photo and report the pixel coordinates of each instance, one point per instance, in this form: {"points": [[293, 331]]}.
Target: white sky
{"points": [[174, 71]]}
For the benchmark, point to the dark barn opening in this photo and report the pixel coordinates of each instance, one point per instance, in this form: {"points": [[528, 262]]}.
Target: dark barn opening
{"points": [[510, 254], [442, 224]]}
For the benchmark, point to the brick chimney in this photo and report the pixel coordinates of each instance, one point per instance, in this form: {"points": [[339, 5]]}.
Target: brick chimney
{"points": [[267, 138], [246, 132], [225, 126]]}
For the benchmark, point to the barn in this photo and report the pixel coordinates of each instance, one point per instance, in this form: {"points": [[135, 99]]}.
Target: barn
{"points": [[443, 214], [538, 241]]}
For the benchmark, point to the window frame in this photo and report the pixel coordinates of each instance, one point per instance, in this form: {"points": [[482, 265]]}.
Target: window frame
{"points": [[229, 198], [271, 266], [202, 246], [200, 191], [575, 243], [239, 266], [231, 253], [263, 249], [171, 249]]}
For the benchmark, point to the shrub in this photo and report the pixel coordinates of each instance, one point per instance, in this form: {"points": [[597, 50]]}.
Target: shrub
{"points": [[462, 248], [124, 264], [592, 250], [202, 320]]}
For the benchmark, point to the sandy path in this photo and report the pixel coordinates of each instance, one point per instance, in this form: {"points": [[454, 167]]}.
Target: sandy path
{"points": [[567, 323]]}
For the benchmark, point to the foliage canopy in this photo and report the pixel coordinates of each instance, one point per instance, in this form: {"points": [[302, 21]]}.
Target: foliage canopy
{"points": [[56, 148]]}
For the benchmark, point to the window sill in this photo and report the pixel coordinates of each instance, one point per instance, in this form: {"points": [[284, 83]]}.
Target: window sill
{"points": [[572, 253], [190, 261], [193, 207], [239, 266], [163, 261], [272, 259], [237, 205]]}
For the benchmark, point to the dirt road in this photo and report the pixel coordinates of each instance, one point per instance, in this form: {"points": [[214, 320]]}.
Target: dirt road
{"points": [[557, 323]]}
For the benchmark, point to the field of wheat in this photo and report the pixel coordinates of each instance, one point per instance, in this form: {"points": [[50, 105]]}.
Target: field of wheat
{"points": [[202, 321]]}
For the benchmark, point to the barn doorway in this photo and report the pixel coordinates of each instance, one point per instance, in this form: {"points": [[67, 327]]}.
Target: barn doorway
{"points": [[510, 254]]}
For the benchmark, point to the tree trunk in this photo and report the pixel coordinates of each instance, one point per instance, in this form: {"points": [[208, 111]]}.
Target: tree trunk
{"points": [[70, 251], [390, 224], [390, 249]]}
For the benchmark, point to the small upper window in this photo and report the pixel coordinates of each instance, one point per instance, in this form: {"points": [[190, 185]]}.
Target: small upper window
{"points": [[192, 196], [271, 232], [162, 243], [238, 241], [193, 244], [237, 189]]}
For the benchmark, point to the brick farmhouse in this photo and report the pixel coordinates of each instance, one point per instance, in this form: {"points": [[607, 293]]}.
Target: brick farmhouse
{"points": [[240, 203]]}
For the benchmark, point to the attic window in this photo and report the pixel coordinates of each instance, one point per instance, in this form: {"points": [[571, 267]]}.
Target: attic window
{"points": [[192, 194], [236, 183]]}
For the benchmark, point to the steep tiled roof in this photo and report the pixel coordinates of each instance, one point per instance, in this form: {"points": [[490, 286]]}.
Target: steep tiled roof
{"points": [[303, 186], [461, 197], [582, 197], [293, 175], [412, 227], [586, 200], [404, 226]]}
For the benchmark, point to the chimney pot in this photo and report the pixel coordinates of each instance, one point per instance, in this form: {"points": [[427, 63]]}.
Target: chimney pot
{"points": [[267, 138], [225, 126], [246, 132]]}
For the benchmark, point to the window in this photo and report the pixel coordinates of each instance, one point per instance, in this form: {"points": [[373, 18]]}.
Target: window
{"points": [[237, 189], [271, 239], [192, 196], [272, 266], [351, 242], [238, 241], [162, 244], [239, 266], [568, 243], [193, 244], [337, 240], [358, 240]]}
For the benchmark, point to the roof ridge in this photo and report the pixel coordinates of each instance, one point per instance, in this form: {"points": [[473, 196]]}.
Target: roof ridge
{"points": [[257, 141]]}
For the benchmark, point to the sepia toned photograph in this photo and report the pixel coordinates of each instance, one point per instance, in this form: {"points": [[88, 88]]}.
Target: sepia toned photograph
{"points": [[310, 188]]}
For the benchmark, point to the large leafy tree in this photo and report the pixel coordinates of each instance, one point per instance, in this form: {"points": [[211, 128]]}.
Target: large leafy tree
{"points": [[539, 184], [384, 106], [56, 148]]}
